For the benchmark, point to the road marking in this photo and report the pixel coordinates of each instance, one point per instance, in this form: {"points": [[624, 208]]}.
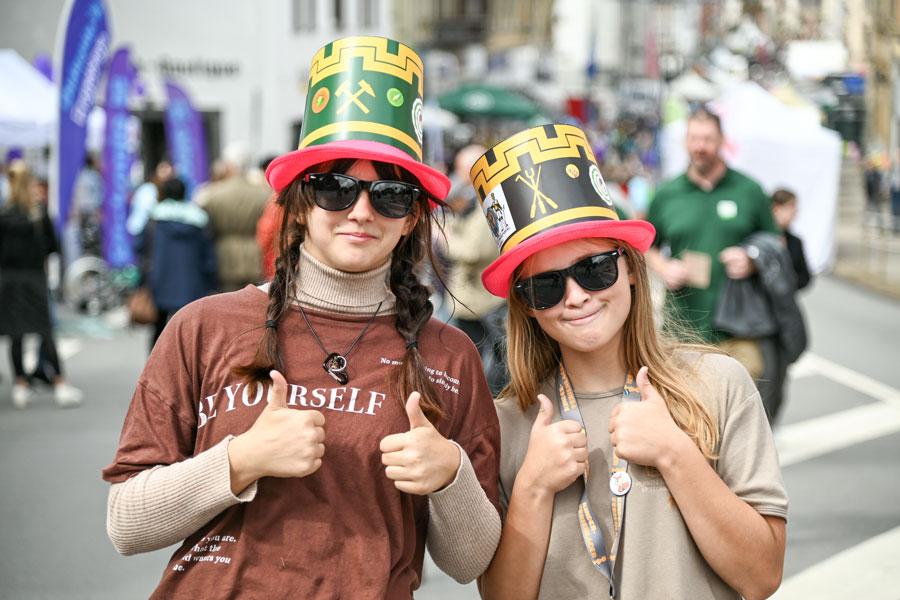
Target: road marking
{"points": [[849, 378], [869, 570], [808, 439], [815, 437], [68, 347], [805, 367], [65, 349]]}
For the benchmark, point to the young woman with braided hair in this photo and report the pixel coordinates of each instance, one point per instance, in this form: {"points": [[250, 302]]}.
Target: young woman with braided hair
{"points": [[413, 307], [332, 485]]}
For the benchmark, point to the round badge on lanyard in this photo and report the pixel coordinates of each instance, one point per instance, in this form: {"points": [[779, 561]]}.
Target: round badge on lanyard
{"points": [[619, 483]]}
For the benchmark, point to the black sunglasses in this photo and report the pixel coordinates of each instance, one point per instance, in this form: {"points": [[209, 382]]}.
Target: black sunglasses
{"points": [[593, 273], [336, 191]]}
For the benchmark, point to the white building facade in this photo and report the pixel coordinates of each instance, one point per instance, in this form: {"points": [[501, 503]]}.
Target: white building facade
{"points": [[245, 64], [627, 40]]}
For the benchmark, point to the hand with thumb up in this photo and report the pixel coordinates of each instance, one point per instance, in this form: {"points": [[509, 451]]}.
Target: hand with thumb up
{"points": [[421, 460], [557, 452], [283, 442], [644, 432]]}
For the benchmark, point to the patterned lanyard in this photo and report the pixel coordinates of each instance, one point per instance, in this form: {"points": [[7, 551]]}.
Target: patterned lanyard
{"points": [[619, 483]]}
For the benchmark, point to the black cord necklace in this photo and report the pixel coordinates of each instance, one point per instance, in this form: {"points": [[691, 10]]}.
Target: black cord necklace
{"points": [[336, 364]]}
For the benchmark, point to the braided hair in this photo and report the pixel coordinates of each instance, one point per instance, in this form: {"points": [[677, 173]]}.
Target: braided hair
{"points": [[413, 305]]}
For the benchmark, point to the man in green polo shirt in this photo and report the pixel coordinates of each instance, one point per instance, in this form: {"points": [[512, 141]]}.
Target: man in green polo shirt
{"points": [[701, 218]]}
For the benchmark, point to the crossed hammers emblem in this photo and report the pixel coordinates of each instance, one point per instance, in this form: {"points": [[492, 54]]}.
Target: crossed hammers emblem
{"points": [[364, 88], [538, 198]]}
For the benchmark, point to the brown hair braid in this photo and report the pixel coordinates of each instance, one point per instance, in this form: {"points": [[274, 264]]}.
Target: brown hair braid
{"points": [[413, 311], [413, 306]]}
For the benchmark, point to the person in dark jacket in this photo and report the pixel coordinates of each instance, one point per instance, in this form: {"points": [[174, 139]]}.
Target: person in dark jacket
{"points": [[26, 239], [780, 351], [178, 252], [784, 209]]}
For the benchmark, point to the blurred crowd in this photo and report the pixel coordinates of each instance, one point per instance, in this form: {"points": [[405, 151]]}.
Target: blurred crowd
{"points": [[185, 248], [882, 176]]}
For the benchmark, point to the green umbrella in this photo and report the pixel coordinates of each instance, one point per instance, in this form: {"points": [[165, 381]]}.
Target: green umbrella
{"points": [[480, 100]]}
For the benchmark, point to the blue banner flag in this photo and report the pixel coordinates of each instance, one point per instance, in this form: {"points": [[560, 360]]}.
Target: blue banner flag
{"points": [[85, 44], [185, 138], [118, 157]]}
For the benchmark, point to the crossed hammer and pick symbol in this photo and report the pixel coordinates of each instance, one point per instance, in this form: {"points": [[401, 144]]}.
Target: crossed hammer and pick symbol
{"points": [[364, 88], [538, 198]]}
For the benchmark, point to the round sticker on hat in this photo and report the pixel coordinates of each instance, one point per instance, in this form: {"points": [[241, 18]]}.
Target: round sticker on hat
{"points": [[320, 100], [727, 209], [599, 185], [418, 117], [395, 97]]}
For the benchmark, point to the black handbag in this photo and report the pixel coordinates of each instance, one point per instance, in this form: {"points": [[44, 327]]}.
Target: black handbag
{"points": [[743, 309]]}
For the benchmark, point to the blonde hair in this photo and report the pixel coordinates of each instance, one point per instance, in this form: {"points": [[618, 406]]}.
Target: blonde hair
{"points": [[534, 357], [20, 193]]}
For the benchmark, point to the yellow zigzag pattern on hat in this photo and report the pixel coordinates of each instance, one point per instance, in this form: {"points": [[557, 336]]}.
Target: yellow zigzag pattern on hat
{"points": [[364, 127], [532, 142], [375, 55]]}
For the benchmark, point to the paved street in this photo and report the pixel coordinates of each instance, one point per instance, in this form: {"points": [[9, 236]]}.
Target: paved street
{"points": [[840, 448], [839, 441]]}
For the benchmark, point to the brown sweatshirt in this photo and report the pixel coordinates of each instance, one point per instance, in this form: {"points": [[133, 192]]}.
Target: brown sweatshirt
{"points": [[344, 531]]}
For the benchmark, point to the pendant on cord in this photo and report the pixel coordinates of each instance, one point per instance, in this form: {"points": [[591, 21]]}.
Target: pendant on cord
{"points": [[336, 366]]}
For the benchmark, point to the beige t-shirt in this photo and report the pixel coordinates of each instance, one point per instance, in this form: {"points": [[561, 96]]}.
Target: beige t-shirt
{"points": [[657, 557]]}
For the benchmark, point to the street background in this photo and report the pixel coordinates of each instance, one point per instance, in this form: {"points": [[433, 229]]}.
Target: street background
{"points": [[839, 442], [809, 92]]}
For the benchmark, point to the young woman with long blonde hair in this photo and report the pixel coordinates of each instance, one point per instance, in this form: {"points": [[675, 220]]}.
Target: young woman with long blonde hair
{"points": [[604, 413]]}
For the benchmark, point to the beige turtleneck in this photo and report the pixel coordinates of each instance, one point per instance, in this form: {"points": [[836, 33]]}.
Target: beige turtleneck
{"points": [[326, 288]]}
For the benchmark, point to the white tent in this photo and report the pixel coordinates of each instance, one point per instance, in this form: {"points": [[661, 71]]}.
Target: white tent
{"points": [[27, 103], [693, 88], [434, 114], [814, 59], [779, 146]]}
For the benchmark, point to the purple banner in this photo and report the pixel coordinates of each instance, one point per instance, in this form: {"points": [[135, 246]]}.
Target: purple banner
{"points": [[43, 63], [118, 157], [84, 51], [185, 138]]}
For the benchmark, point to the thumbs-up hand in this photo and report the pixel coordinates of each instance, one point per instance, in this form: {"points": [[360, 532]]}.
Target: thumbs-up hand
{"points": [[283, 442], [421, 460], [557, 452], [644, 432]]}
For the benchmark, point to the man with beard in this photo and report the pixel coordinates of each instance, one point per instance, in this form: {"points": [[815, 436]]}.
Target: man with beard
{"points": [[701, 219]]}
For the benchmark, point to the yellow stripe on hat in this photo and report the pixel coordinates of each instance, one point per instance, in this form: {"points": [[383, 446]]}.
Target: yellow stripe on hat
{"points": [[374, 52], [363, 127], [569, 142], [555, 219]]}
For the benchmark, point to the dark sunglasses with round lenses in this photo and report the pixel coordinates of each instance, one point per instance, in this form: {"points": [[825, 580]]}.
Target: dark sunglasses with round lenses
{"points": [[336, 191], [593, 273]]}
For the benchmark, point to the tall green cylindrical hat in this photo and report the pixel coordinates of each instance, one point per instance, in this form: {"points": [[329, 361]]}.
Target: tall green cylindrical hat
{"points": [[364, 101], [540, 188]]}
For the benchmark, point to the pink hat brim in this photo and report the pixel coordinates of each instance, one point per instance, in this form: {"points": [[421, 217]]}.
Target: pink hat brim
{"points": [[286, 167], [498, 275]]}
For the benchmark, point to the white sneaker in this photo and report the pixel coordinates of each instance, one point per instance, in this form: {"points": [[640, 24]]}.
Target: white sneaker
{"points": [[21, 395], [67, 396]]}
